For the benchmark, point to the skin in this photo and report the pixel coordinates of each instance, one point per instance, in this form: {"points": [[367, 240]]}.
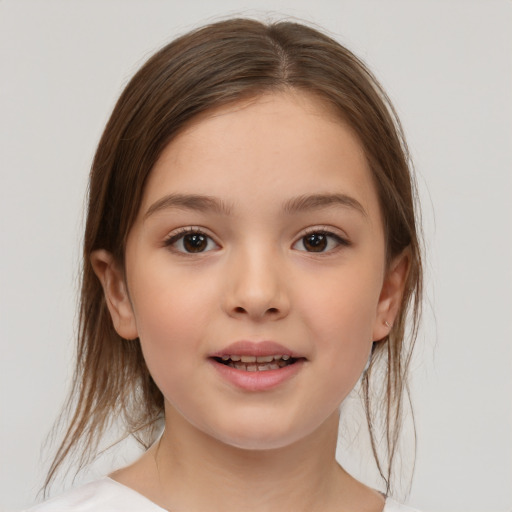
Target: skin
{"points": [[255, 278]]}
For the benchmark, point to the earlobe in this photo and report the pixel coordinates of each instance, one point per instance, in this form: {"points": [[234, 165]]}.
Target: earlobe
{"points": [[116, 293], [391, 295]]}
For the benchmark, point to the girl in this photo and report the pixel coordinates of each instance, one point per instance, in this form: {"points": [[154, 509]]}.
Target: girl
{"points": [[250, 254]]}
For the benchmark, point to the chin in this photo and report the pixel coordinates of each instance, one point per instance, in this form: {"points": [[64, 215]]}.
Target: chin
{"points": [[261, 436], [260, 443]]}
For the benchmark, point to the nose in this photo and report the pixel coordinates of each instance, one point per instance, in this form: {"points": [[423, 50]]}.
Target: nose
{"points": [[257, 287]]}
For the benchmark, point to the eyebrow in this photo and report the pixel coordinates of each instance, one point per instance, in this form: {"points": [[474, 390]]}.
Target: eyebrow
{"points": [[318, 201], [298, 204], [189, 202]]}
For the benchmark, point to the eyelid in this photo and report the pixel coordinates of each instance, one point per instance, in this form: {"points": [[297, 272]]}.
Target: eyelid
{"points": [[179, 233], [340, 237]]}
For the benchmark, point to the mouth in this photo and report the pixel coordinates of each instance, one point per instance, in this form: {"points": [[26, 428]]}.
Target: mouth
{"points": [[251, 363], [257, 366]]}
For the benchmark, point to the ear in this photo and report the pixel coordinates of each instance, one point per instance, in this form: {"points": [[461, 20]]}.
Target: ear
{"points": [[391, 295], [116, 293]]}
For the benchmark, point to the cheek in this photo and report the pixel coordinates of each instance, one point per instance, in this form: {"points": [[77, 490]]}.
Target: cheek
{"points": [[343, 304], [163, 318], [172, 319], [168, 300], [339, 317]]}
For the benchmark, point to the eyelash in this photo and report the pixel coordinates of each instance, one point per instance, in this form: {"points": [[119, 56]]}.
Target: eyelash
{"points": [[180, 235], [183, 232], [339, 240]]}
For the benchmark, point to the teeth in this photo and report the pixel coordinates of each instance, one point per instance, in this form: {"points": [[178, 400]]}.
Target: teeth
{"points": [[264, 359], [257, 363], [256, 359]]}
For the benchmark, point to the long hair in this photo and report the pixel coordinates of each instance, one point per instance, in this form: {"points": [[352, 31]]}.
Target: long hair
{"points": [[215, 65]]}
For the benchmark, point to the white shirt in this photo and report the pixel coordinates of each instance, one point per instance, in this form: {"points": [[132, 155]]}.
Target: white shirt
{"points": [[107, 495]]}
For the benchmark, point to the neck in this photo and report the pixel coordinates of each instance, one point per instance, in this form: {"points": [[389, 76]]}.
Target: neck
{"points": [[189, 470], [256, 479]]}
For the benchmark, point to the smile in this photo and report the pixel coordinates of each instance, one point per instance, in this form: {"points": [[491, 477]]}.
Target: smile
{"points": [[250, 363], [257, 366]]}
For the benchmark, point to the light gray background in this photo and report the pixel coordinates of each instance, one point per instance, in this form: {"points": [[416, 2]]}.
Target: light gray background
{"points": [[446, 64]]}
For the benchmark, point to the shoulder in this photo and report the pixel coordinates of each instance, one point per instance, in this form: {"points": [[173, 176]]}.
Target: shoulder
{"points": [[394, 506], [106, 495]]}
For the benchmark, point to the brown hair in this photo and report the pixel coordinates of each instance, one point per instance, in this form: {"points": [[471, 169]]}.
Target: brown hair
{"points": [[209, 67]]}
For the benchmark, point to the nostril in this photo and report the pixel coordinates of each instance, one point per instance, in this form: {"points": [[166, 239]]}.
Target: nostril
{"points": [[241, 310]]}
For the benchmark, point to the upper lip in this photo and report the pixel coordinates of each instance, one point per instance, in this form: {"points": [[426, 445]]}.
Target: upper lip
{"points": [[255, 348]]}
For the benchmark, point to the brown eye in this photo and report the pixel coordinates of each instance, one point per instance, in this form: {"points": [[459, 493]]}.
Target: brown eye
{"points": [[320, 241], [191, 242], [315, 242], [195, 242]]}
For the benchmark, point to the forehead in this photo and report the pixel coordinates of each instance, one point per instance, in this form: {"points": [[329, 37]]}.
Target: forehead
{"points": [[273, 146]]}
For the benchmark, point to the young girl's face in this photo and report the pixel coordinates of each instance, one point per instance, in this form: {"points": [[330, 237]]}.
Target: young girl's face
{"points": [[255, 271]]}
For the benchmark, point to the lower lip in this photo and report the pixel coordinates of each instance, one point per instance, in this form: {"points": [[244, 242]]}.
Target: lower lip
{"points": [[258, 380]]}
